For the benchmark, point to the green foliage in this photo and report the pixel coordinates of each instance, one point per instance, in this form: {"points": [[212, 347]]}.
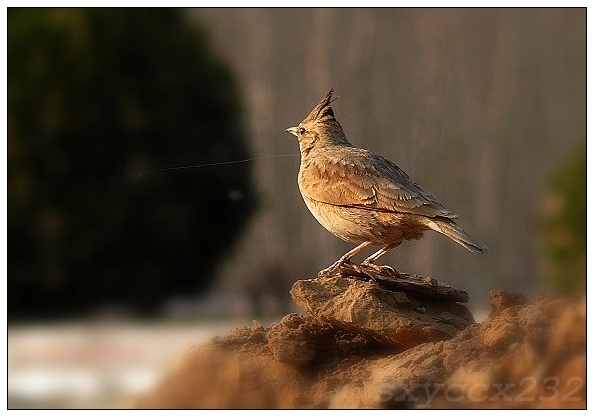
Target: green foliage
{"points": [[565, 225], [94, 97]]}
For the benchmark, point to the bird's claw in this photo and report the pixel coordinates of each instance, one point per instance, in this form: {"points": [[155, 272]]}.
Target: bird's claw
{"points": [[332, 269], [379, 269], [366, 269]]}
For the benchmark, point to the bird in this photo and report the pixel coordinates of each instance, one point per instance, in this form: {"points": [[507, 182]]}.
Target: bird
{"points": [[364, 198]]}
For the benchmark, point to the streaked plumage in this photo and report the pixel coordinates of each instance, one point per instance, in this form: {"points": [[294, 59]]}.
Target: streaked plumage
{"points": [[362, 197]]}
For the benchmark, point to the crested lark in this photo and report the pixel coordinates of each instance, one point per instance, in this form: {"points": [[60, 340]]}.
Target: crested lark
{"points": [[362, 197]]}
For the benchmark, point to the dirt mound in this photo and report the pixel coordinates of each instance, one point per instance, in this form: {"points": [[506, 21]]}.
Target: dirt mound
{"points": [[528, 355]]}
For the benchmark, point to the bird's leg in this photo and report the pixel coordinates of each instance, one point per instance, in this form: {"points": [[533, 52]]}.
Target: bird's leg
{"points": [[381, 252], [353, 252], [381, 270], [345, 258]]}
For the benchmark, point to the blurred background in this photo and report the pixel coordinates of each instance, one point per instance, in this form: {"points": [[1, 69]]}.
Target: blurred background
{"points": [[113, 270]]}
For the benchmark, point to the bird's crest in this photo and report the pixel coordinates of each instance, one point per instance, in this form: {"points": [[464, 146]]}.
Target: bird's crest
{"points": [[323, 111]]}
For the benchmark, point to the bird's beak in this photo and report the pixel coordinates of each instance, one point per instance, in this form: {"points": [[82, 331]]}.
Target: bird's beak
{"points": [[292, 130]]}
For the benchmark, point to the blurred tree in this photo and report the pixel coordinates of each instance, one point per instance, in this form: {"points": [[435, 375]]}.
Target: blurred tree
{"points": [[95, 94], [565, 225]]}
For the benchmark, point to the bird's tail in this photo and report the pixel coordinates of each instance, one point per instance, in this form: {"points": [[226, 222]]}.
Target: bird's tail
{"points": [[457, 234]]}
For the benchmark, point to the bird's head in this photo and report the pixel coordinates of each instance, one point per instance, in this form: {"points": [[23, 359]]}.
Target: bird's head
{"points": [[320, 128]]}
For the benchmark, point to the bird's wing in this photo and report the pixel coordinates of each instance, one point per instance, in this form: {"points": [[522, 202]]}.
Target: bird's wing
{"points": [[358, 178]]}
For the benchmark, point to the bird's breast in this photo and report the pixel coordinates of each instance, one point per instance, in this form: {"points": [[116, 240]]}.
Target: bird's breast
{"points": [[354, 224]]}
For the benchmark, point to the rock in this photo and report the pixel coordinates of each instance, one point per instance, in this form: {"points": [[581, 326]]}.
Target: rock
{"points": [[243, 335], [500, 334], [393, 317], [388, 278], [290, 341], [299, 340], [529, 355], [500, 300]]}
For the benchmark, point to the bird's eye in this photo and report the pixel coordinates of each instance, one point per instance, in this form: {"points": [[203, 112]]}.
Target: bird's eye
{"points": [[301, 130]]}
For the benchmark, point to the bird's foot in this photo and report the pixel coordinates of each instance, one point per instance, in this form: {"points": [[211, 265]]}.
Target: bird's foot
{"points": [[374, 273], [334, 268], [379, 269], [366, 270]]}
